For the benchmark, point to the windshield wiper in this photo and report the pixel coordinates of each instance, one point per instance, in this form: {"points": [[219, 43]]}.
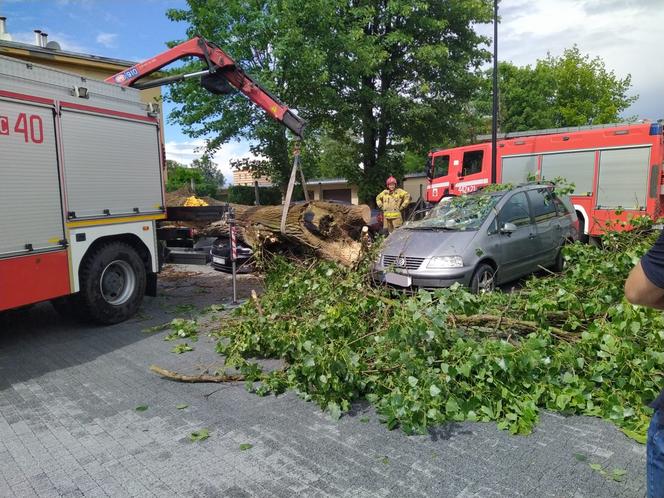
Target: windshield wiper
{"points": [[431, 228]]}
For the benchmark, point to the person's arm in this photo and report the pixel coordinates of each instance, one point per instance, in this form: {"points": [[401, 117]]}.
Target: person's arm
{"points": [[379, 200], [645, 284], [406, 199], [640, 290]]}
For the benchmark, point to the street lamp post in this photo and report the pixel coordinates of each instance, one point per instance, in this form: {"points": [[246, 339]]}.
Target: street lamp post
{"points": [[494, 111]]}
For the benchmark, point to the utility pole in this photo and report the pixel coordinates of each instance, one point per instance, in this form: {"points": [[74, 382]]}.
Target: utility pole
{"points": [[494, 113]]}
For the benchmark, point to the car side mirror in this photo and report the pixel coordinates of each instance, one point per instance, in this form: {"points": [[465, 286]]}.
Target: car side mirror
{"points": [[508, 228]]}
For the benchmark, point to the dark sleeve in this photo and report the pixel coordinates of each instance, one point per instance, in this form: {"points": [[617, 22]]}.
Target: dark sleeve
{"points": [[653, 262]]}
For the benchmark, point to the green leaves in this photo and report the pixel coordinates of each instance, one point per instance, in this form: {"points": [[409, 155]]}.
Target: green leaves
{"points": [[334, 410], [182, 329], [141, 408], [182, 406], [200, 435], [421, 360], [246, 446], [182, 348], [616, 474]]}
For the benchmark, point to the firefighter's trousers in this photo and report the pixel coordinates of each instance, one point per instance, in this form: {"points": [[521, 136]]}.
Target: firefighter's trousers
{"points": [[390, 224]]}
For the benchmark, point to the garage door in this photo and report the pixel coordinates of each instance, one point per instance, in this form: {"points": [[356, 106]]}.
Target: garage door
{"points": [[337, 194]]}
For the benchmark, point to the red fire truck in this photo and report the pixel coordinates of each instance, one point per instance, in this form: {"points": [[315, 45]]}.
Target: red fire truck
{"points": [[614, 168], [81, 180]]}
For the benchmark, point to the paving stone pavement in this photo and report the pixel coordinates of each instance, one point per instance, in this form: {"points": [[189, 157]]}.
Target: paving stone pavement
{"points": [[69, 427]]}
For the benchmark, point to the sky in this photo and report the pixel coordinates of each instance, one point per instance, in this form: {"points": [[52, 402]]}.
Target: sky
{"points": [[626, 34]]}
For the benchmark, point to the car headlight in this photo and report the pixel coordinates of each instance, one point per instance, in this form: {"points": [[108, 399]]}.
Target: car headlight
{"points": [[445, 262]]}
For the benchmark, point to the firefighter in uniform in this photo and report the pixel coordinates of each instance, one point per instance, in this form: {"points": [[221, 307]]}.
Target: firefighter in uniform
{"points": [[392, 200]]}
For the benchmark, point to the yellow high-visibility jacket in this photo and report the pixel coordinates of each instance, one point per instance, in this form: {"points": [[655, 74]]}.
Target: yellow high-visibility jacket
{"points": [[392, 202]]}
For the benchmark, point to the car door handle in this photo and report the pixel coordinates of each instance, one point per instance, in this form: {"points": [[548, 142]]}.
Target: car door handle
{"points": [[531, 236], [558, 227]]}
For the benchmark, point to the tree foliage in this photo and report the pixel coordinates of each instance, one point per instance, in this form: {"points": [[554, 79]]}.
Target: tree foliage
{"points": [[377, 76], [570, 90], [245, 194], [210, 171], [567, 342], [179, 175]]}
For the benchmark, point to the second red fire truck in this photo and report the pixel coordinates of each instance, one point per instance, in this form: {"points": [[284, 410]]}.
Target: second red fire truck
{"points": [[616, 169]]}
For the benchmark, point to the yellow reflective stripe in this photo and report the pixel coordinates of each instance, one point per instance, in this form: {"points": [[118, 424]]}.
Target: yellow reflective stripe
{"points": [[113, 221]]}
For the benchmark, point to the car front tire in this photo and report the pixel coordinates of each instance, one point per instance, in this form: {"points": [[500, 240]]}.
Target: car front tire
{"points": [[483, 279]]}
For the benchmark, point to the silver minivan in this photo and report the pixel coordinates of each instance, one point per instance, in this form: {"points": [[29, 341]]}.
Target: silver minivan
{"points": [[480, 240]]}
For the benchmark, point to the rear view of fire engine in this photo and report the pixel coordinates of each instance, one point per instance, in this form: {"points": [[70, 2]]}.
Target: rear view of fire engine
{"points": [[81, 181]]}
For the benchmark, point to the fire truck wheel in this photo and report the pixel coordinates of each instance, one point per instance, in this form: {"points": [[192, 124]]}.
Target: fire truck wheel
{"points": [[113, 281]]}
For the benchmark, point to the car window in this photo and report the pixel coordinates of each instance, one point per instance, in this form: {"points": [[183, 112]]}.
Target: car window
{"points": [[472, 162], [561, 207], [543, 204], [515, 211]]}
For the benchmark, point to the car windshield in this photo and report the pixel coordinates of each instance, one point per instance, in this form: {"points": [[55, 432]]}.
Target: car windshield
{"points": [[466, 212]]}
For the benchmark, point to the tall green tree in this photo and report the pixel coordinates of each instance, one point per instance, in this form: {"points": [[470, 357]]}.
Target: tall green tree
{"points": [[377, 76], [571, 90], [210, 170]]}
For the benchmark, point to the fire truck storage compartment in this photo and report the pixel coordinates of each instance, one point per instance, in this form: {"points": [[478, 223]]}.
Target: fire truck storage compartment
{"points": [[111, 152], [575, 167], [111, 165], [30, 201], [623, 178], [517, 168]]}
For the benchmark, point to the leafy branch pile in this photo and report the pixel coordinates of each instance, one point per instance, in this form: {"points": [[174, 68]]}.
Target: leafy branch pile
{"points": [[566, 342]]}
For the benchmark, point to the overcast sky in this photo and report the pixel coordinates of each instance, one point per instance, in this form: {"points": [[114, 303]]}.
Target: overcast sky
{"points": [[627, 34]]}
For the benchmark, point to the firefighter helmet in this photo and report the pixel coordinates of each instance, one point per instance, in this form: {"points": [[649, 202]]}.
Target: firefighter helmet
{"points": [[391, 179]]}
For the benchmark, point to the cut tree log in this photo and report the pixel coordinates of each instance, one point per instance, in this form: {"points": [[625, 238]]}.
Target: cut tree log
{"points": [[332, 231]]}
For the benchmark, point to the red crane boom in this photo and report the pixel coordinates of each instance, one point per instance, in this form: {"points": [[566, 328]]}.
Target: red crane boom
{"points": [[222, 74]]}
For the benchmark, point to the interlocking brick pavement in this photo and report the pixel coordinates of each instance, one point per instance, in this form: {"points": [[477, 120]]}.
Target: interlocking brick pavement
{"points": [[68, 427]]}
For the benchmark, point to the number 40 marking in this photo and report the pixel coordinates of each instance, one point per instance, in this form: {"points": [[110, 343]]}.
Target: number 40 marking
{"points": [[34, 132]]}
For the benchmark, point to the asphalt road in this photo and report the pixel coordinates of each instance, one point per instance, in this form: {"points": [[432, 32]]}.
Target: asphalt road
{"points": [[69, 425]]}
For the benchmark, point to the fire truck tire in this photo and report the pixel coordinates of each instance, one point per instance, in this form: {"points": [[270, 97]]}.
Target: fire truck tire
{"points": [[112, 281]]}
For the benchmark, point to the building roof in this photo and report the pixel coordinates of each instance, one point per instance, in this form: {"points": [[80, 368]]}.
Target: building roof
{"points": [[48, 53], [421, 174], [326, 181]]}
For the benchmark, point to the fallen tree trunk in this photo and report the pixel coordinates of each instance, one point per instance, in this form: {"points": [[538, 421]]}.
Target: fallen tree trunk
{"points": [[332, 231]]}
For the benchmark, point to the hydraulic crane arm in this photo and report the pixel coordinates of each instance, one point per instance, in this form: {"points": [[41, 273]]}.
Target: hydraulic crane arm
{"points": [[222, 74]]}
